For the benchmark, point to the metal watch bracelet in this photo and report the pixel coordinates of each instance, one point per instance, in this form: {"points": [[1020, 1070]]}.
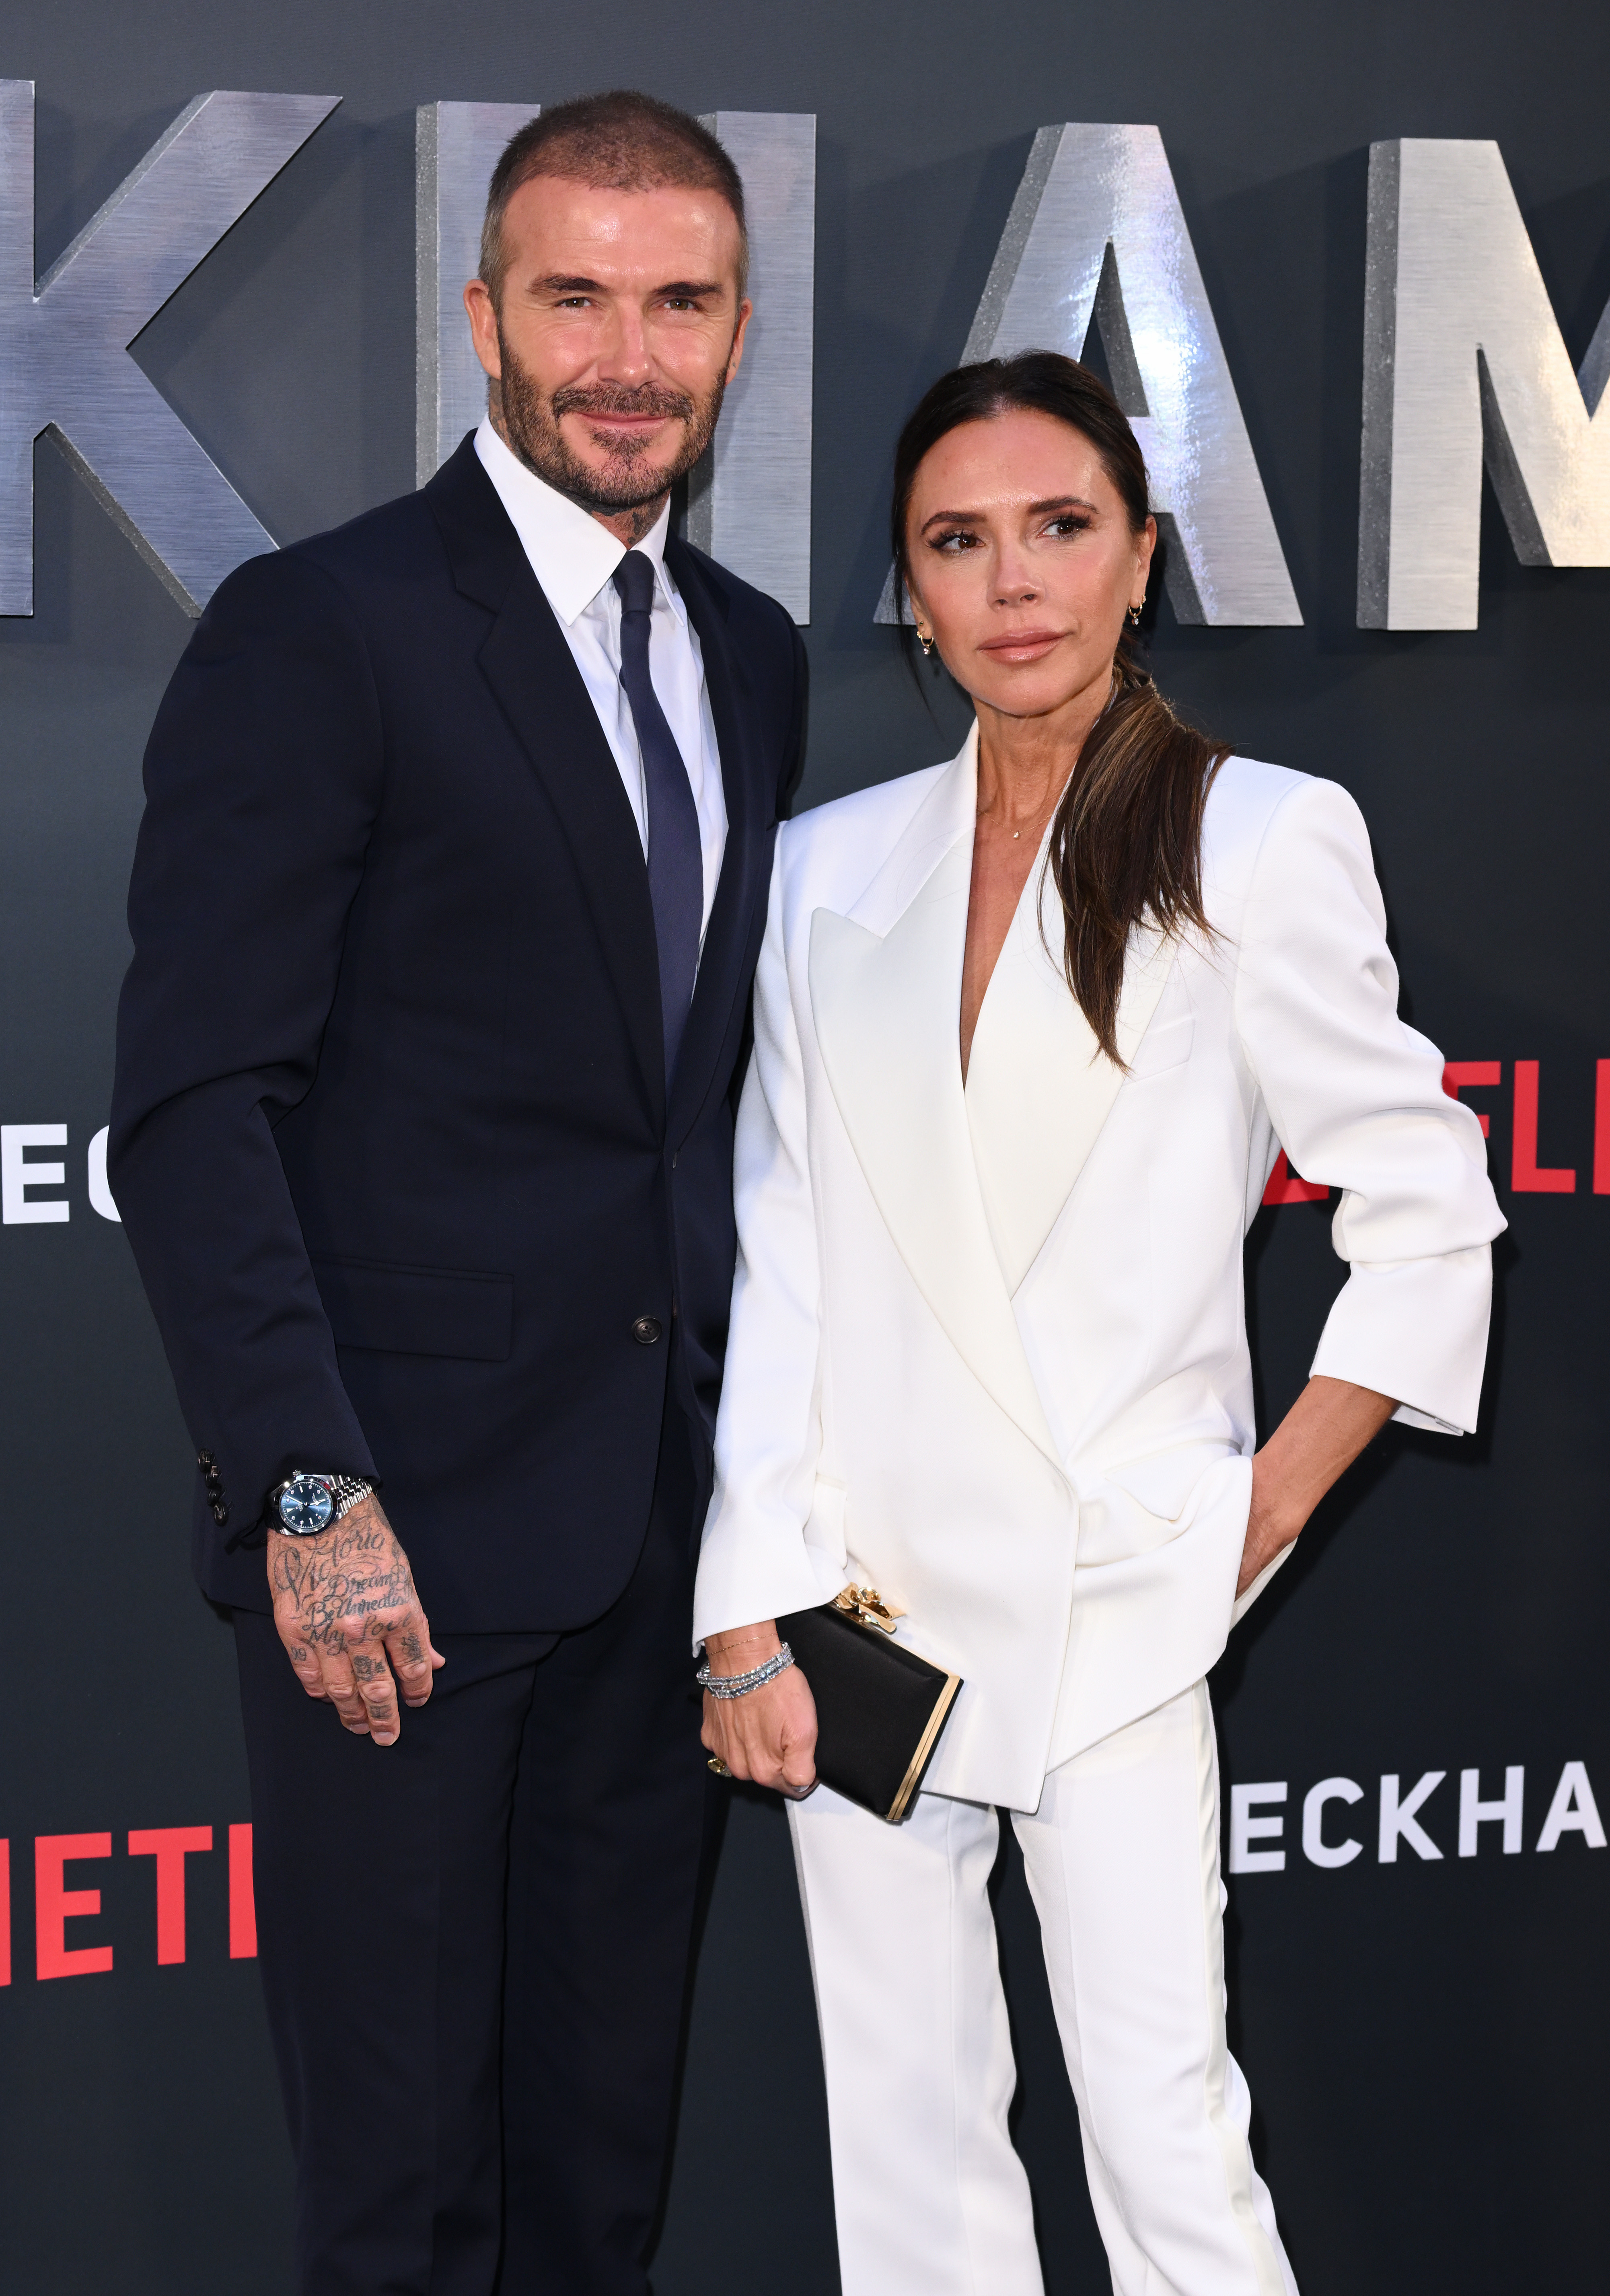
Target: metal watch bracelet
{"points": [[347, 1490]]}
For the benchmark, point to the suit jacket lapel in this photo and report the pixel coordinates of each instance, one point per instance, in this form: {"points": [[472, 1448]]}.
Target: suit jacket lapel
{"points": [[741, 889], [1039, 1087], [885, 994], [531, 670]]}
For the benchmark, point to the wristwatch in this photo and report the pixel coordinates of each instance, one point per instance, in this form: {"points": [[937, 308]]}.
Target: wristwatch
{"points": [[306, 1503]]}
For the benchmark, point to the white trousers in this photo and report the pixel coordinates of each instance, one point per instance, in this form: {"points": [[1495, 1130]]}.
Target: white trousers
{"points": [[1122, 1862]]}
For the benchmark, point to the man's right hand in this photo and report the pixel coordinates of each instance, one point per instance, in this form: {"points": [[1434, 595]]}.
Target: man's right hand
{"points": [[769, 1735], [344, 1602]]}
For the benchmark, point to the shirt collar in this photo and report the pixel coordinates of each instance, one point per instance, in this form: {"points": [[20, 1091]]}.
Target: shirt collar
{"points": [[571, 556]]}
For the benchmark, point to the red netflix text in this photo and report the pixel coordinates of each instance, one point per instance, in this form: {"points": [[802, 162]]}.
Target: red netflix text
{"points": [[1527, 1175], [67, 1898]]}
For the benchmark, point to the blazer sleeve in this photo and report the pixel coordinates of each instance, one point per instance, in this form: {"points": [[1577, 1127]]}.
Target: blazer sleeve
{"points": [[262, 782], [1356, 1098], [755, 1562]]}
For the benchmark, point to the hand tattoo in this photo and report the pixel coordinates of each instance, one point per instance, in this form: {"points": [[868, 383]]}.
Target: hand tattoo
{"points": [[356, 1570], [337, 1598]]}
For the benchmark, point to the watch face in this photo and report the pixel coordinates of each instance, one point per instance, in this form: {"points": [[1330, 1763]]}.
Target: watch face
{"points": [[305, 1504]]}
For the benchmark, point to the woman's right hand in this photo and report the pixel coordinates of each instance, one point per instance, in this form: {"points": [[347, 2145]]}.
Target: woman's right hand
{"points": [[768, 1736]]}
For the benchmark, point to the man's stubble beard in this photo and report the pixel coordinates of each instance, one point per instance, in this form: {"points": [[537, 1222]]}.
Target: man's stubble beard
{"points": [[527, 420]]}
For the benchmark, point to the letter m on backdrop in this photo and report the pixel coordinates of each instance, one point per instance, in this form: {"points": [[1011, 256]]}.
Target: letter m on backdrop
{"points": [[65, 366], [1463, 358]]}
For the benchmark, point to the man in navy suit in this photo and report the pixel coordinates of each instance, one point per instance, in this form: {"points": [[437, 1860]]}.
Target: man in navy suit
{"points": [[447, 896]]}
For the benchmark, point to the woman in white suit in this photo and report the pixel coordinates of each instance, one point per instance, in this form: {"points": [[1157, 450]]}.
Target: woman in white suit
{"points": [[1031, 1029]]}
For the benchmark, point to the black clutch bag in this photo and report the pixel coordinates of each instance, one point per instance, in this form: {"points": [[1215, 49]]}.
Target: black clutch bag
{"points": [[880, 1708]]}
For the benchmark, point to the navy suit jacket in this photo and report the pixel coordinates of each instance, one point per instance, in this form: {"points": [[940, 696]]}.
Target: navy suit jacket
{"points": [[390, 1133]]}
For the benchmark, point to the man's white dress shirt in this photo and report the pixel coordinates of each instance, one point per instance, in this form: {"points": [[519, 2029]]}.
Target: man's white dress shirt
{"points": [[574, 558]]}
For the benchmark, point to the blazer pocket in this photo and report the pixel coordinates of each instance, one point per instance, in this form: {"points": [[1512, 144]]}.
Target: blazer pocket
{"points": [[1165, 1044], [1164, 1482], [418, 1311]]}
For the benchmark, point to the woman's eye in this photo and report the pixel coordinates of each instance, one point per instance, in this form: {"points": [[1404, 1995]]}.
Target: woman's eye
{"points": [[955, 544], [1070, 523]]}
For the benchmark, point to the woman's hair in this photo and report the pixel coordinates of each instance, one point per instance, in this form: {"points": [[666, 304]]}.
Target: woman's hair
{"points": [[1126, 844]]}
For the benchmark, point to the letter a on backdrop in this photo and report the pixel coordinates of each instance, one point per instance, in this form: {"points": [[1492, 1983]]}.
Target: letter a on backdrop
{"points": [[1096, 236], [1463, 357], [64, 361]]}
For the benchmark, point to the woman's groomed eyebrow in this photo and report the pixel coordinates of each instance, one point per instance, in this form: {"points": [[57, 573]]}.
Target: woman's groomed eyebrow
{"points": [[1035, 509]]}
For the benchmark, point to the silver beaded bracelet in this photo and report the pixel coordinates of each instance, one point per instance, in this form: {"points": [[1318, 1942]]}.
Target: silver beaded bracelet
{"points": [[733, 1686]]}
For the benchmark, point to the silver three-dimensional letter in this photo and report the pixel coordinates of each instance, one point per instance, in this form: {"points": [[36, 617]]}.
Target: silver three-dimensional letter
{"points": [[749, 502], [1096, 236], [64, 362], [457, 146], [1462, 355]]}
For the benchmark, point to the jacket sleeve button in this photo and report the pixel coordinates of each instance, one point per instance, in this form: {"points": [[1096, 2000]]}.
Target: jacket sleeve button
{"points": [[645, 1330]]}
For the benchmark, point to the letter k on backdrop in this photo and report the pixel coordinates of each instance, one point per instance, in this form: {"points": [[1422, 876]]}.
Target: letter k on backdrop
{"points": [[64, 360]]}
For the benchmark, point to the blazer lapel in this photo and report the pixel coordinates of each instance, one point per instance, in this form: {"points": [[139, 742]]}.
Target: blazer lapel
{"points": [[885, 994], [531, 670], [722, 976], [1039, 1087]]}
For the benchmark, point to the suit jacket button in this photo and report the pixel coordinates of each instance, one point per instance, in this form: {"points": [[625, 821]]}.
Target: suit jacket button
{"points": [[645, 1330]]}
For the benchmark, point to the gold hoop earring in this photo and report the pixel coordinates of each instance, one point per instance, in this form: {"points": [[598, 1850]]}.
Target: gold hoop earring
{"points": [[1135, 618], [924, 639]]}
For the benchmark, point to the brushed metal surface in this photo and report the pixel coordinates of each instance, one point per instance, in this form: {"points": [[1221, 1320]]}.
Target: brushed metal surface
{"points": [[748, 500], [457, 146], [64, 362], [1097, 238], [1464, 360]]}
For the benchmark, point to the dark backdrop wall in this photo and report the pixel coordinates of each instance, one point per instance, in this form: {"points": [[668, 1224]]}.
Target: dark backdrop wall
{"points": [[1426, 2036]]}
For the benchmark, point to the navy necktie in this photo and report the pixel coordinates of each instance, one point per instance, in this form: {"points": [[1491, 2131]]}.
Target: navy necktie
{"points": [[675, 857]]}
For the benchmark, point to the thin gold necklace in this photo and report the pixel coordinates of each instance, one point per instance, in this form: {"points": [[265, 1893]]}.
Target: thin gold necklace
{"points": [[1040, 818]]}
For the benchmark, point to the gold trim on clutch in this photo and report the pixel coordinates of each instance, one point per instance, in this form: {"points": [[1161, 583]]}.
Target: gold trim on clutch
{"points": [[925, 1747]]}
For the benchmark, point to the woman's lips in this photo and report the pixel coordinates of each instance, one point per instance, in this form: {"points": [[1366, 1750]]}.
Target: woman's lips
{"points": [[1022, 645]]}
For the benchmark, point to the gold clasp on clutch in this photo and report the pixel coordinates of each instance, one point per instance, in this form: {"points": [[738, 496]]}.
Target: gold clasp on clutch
{"points": [[867, 1608]]}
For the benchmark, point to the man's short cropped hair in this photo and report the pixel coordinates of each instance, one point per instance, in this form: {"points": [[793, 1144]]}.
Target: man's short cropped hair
{"points": [[621, 142]]}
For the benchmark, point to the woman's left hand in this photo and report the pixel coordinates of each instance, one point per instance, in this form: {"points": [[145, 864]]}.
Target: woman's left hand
{"points": [[1331, 1422]]}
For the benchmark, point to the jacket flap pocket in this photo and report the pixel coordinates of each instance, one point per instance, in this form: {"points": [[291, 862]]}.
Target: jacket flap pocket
{"points": [[1164, 1481], [1164, 1048], [1167, 1040], [418, 1311]]}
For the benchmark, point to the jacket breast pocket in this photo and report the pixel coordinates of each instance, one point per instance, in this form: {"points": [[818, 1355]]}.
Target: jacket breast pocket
{"points": [[418, 1311], [1167, 1039]]}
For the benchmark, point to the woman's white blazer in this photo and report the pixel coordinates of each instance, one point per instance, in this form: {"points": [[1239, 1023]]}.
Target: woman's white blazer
{"points": [[988, 1348]]}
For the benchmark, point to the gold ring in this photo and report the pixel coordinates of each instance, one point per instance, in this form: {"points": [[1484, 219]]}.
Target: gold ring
{"points": [[719, 1765]]}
